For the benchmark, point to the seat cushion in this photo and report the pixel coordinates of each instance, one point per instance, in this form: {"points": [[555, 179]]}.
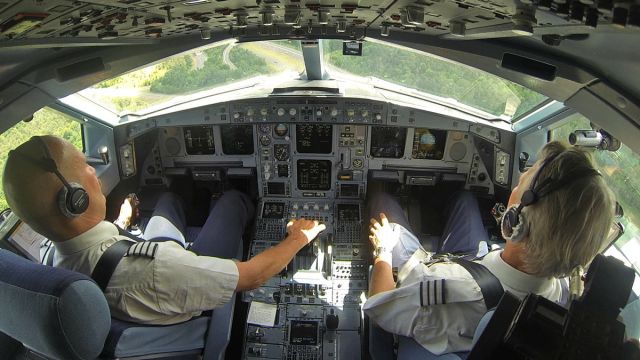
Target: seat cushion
{"points": [[130, 339], [408, 348], [48, 309]]}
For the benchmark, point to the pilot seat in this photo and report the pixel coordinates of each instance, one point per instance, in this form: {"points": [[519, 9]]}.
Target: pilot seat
{"points": [[54, 313]]}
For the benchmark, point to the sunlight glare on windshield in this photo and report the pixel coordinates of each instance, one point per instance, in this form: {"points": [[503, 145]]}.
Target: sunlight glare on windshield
{"points": [[195, 71], [431, 75]]}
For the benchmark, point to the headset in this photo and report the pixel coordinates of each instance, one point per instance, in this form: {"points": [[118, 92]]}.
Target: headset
{"points": [[514, 225], [73, 199]]}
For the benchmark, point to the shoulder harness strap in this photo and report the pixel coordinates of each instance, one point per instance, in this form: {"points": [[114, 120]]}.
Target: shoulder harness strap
{"points": [[109, 261], [489, 284]]}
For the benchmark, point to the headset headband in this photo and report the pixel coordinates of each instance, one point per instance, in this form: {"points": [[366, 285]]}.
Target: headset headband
{"points": [[550, 184]]}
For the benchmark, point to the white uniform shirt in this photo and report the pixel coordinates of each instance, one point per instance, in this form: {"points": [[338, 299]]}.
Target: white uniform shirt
{"points": [[167, 286], [440, 305]]}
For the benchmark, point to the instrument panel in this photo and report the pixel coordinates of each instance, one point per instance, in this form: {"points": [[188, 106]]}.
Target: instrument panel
{"points": [[329, 148], [314, 158]]}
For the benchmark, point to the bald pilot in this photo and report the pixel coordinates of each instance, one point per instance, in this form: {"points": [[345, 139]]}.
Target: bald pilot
{"points": [[162, 283]]}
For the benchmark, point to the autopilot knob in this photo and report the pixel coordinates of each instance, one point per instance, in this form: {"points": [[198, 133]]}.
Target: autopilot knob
{"points": [[256, 335], [332, 320]]}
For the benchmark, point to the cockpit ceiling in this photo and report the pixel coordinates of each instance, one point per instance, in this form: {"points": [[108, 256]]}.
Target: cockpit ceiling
{"points": [[151, 19]]}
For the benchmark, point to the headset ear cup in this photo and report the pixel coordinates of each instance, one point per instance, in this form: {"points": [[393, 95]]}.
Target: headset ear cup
{"points": [[514, 225], [62, 202], [522, 229], [73, 202]]}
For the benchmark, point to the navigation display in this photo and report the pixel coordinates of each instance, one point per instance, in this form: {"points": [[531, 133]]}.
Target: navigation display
{"points": [[198, 140], [428, 144], [237, 139], [273, 210], [314, 174], [314, 138], [388, 142]]}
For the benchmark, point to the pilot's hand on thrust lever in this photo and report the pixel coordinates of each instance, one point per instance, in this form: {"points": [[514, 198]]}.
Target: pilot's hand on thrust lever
{"points": [[304, 230], [382, 235], [128, 211]]}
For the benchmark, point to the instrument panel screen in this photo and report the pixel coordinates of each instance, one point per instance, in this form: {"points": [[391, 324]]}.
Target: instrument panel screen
{"points": [[304, 332], [348, 212], [314, 138], [429, 144], [273, 210], [314, 174], [198, 140], [237, 139], [388, 142]]}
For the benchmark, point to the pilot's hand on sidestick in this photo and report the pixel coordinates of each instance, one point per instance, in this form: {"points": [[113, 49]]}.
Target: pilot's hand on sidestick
{"points": [[382, 234], [126, 214], [305, 230]]}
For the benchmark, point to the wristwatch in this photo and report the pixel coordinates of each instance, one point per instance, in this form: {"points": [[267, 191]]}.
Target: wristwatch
{"points": [[380, 250]]}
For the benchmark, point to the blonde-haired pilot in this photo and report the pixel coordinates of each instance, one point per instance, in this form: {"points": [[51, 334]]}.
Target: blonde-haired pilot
{"points": [[558, 218]]}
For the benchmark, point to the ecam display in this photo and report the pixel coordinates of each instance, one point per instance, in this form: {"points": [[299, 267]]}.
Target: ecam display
{"points": [[314, 174]]}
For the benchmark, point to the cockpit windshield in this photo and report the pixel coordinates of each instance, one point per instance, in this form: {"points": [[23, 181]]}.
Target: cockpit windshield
{"points": [[384, 65], [427, 74], [196, 71]]}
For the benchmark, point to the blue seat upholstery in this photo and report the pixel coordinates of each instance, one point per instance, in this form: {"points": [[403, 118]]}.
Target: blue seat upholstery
{"points": [[61, 314], [54, 312], [129, 339]]}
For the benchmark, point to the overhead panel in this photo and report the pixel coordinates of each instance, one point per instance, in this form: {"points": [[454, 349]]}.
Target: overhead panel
{"points": [[462, 19]]}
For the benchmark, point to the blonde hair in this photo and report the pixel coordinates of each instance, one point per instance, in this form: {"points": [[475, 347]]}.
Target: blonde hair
{"points": [[568, 226]]}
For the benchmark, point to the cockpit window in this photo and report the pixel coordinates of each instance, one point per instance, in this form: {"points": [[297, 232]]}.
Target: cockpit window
{"points": [[195, 71], [619, 169], [46, 121], [426, 73]]}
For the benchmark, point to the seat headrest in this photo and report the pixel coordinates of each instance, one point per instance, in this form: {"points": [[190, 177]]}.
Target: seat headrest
{"points": [[55, 312]]}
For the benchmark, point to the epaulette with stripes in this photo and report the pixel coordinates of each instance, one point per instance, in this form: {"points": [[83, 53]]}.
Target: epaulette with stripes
{"points": [[432, 292], [146, 249]]}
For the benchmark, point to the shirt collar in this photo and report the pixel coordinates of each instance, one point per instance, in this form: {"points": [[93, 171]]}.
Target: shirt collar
{"points": [[514, 278], [94, 236]]}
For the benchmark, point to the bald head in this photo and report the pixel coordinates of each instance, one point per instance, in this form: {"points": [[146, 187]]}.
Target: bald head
{"points": [[32, 191]]}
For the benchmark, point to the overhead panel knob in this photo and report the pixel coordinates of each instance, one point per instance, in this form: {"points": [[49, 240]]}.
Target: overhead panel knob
{"points": [[292, 111], [281, 112], [323, 17]]}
